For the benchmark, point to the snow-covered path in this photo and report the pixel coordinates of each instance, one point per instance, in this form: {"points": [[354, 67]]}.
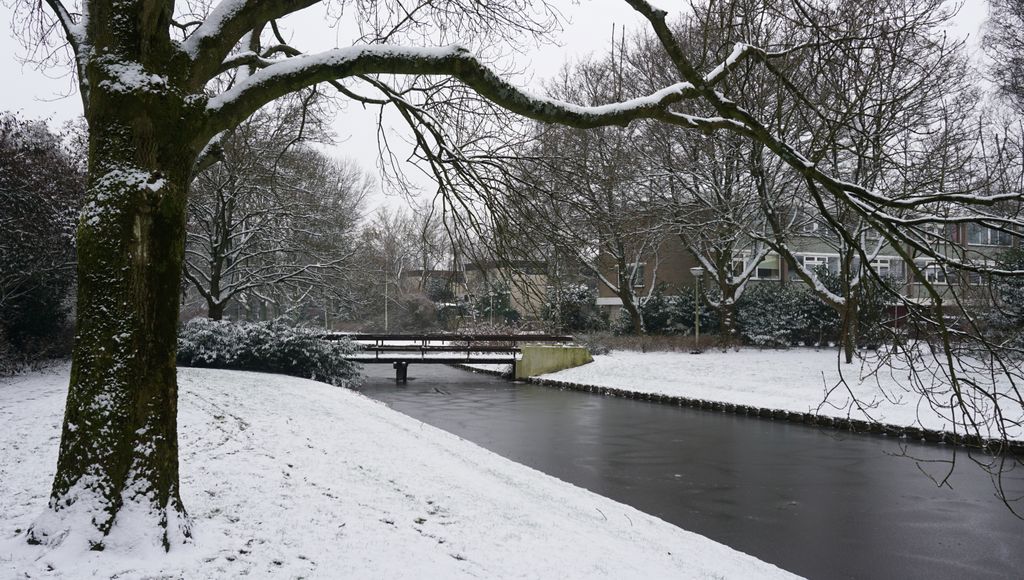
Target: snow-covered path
{"points": [[292, 478], [800, 380]]}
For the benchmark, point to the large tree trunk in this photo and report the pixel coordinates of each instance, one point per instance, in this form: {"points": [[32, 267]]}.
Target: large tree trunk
{"points": [[117, 473], [215, 310]]}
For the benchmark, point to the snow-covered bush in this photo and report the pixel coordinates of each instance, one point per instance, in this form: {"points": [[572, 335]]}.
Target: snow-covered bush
{"points": [[774, 315], [41, 185], [416, 313], [1006, 314], [873, 311], [659, 313], [272, 347], [621, 323], [668, 314], [572, 308], [596, 343], [680, 315]]}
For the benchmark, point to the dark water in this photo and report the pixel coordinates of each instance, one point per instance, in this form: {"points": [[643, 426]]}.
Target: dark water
{"points": [[813, 502]]}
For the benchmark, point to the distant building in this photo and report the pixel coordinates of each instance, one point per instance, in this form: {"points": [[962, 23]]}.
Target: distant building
{"points": [[524, 282], [973, 243], [668, 265]]}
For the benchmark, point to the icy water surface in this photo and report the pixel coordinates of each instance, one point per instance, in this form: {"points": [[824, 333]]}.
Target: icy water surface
{"points": [[815, 502]]}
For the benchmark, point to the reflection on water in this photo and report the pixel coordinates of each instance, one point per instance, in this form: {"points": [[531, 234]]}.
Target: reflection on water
{"points": [[814, 502]]}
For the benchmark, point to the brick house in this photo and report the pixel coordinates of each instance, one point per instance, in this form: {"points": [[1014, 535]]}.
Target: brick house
{"points": [[670, 264]]}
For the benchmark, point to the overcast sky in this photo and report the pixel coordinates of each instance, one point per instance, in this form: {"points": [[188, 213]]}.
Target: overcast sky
{"points": [[48, 94]]}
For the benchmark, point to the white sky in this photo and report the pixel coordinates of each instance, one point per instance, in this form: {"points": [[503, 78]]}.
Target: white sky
{"points": [[47, 94]]}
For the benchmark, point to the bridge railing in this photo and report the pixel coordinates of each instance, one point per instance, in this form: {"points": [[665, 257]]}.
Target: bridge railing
{"points": [[435, 348], [443, 337]]}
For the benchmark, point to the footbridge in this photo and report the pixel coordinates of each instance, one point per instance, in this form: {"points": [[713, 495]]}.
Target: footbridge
{"points": [[529, 354]]}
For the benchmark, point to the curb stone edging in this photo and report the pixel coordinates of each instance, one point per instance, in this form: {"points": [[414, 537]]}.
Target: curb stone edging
{"points": [[855, 426]]}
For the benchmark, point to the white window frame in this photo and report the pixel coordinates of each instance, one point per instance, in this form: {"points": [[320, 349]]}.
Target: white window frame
{"points": [[817, 259], [878, 263], [932, 272]]}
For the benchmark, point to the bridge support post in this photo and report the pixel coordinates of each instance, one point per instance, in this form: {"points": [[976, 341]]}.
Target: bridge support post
{"points": [[401, 372]]}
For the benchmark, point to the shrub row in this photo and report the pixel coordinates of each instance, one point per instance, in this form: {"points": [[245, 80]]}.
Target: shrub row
{"points": [[272, 347], [767, 314]]}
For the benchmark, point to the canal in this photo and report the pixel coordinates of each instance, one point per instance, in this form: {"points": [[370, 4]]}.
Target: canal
{"points": [[815, 502]]}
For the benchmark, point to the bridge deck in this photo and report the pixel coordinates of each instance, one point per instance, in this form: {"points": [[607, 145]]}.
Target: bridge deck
{"points": [[434, 360], [401, 350], [448, 338]]}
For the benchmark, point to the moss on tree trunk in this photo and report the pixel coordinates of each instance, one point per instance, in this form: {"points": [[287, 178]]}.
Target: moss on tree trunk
{"points": [[119, 444]]}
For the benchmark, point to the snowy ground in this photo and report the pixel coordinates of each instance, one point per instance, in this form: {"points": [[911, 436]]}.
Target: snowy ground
{"points": [[292, 478], [800, 380]]}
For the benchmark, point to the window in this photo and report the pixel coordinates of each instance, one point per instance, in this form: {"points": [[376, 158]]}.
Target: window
{"points": [[635, 273], [818, 229], [810, 227], [815, 261], [882, 266], [978, 278], [979, 235], [933, 272], [768, 269]]}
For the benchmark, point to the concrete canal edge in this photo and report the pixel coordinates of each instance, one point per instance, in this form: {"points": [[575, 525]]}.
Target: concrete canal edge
{"points": [[541, 360], [855, 426]]}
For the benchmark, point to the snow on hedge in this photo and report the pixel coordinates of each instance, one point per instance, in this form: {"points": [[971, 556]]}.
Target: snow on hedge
{"points": [[288, 478], [799, 380]]}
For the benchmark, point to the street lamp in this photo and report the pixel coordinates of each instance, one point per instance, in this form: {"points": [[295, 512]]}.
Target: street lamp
{"points": [[490, 294], [698, 273]]}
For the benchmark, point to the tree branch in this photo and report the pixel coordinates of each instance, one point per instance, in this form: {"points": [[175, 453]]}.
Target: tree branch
{"points": [[289, 75], [72, 30], [213, 40]]}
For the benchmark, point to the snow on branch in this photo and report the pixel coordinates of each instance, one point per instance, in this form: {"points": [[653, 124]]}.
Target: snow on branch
{"points": [[291, 74], [74, 31], [211, 42]]}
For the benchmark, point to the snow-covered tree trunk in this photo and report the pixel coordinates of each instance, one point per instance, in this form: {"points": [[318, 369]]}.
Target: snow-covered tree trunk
{"points": [[117, 473], [119, 441]]}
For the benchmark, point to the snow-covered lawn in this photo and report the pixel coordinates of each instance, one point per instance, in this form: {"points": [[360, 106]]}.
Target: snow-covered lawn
{"points": [[800, 380], [291, 478]]}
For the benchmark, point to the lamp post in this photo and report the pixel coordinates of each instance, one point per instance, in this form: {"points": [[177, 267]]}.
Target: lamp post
{"points": [[698, 273], [490, 294]]}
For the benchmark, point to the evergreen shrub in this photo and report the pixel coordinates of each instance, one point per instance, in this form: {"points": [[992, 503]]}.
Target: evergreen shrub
{"points": [[774, 315], [272, 347], [572, 308]]}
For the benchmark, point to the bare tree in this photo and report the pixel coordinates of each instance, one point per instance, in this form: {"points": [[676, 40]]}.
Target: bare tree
{"points": [[393, 243], [585, 193], [707, 186], [275, 221], [893, 115], [1004, 43]]}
